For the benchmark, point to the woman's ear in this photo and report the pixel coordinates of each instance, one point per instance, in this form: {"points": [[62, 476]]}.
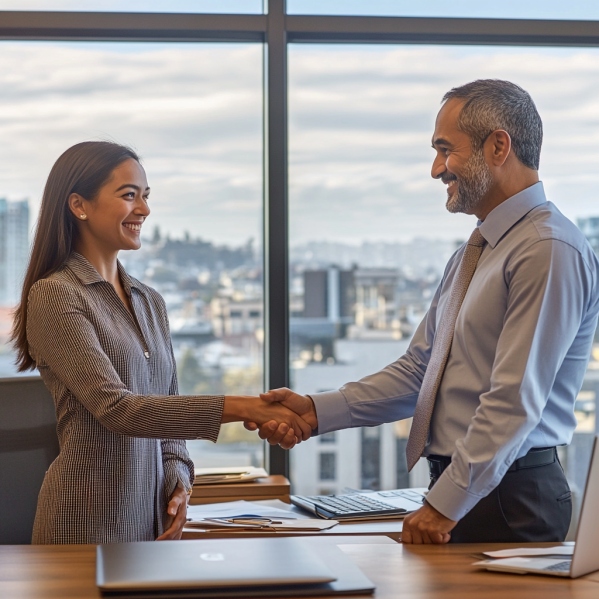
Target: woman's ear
{"points": [[77, 207]]}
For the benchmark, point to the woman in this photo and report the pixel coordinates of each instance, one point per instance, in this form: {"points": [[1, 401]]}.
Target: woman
{"points": [[101, 342]]}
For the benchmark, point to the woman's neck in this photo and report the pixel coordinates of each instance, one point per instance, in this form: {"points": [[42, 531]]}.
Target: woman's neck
{"points": [[104, 262]]}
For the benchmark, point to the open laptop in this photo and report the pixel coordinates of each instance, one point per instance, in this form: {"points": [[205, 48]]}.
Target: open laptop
{"points": [[225, 568], [585, 557], [366, 505]]}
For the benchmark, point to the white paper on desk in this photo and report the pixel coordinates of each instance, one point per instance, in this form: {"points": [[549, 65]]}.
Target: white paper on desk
{"points": [[310, 525], [532, 551], [211, 476], [237, 509]]}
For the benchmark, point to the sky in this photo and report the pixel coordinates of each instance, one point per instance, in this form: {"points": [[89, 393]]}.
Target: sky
{"points": [[361, 119]]}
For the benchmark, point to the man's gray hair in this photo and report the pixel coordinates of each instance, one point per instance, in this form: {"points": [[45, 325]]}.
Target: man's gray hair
{"points": [[492, 104]]}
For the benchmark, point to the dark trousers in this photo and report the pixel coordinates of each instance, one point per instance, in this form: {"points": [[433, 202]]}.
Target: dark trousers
{"points": [[529, 505]]}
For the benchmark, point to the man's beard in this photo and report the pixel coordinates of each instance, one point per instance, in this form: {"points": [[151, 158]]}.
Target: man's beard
{"points": [[474, 183]]}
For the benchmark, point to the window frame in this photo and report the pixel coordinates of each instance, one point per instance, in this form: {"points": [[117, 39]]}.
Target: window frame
{"points": [[276, 30]]}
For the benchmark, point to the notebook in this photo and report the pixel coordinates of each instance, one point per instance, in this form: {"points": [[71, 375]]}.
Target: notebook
{"points": [[225, 568], [585, 557], [370, 505]]}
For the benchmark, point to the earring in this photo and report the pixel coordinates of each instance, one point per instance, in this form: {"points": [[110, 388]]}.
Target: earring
{"points": [[82, 216]]}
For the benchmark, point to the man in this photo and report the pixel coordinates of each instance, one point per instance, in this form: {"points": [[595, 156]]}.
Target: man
{"points": [[494, 368]]}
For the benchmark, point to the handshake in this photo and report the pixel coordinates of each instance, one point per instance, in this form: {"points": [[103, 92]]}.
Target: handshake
{"points": [[280, 416]]}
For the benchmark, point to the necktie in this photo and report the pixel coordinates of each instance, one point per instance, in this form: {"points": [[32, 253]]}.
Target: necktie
{"points": [[440, 351]]}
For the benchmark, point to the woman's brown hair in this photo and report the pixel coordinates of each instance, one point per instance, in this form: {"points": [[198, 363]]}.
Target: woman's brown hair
{"points": [[82, 169]]}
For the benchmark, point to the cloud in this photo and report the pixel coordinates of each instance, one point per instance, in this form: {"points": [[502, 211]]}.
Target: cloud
{"points": [[361, 126]]}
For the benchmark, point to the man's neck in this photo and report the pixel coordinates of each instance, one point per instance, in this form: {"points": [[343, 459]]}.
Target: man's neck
{"points": [[504, 189]]}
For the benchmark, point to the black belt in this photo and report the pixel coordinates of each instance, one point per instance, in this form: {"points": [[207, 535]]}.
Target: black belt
{"points": [[541, 456]]}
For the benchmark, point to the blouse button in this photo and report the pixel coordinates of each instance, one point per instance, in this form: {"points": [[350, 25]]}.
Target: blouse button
{"points": [[147, 354]]}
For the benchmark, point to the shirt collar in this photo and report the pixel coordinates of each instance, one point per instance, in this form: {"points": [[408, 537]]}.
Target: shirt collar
{"points": [[502, 218], [88, 275]]}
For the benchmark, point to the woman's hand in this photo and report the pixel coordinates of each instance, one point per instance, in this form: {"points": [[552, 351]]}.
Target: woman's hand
{"points": [[278, 434], [176, 515], [261, 411]]}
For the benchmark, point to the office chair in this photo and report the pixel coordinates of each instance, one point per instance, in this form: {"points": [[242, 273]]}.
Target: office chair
{"points": [[28, 445]]}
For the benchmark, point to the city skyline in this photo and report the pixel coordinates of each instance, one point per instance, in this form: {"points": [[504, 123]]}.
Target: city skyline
{"points": [[14, 248]]}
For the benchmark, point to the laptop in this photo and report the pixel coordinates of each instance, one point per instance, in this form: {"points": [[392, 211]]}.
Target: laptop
{"points": [[366, 505], [585, 557], [218, 568]]}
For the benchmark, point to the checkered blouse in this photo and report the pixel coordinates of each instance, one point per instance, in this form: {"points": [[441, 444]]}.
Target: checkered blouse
{"points": [[121, 423]]}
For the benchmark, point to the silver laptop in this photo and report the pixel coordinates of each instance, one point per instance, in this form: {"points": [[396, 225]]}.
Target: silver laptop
{"points": [[585, 557], [367, 505], [225, 568]]}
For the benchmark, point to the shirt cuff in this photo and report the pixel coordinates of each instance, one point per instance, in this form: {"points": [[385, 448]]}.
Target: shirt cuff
{"points": [[449, 499], [332, 411]]}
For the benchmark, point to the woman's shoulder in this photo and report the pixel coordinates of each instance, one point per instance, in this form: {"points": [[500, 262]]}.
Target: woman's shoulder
{"points": [[58, 286]]}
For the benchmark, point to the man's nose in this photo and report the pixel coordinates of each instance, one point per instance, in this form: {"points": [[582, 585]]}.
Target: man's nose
{"points": [[438, 168]]}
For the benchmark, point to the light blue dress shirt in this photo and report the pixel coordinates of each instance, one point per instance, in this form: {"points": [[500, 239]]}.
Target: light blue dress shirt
{"points": [[521, 346]]}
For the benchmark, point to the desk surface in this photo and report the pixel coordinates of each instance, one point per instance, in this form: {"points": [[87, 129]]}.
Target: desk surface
{"points": [[418, 572], [389, 528]]}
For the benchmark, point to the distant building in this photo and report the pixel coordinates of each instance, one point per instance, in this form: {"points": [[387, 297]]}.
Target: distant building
{"points": [[236, 317], [329, 294], [14, 249], [590, 228], [376, 291]]}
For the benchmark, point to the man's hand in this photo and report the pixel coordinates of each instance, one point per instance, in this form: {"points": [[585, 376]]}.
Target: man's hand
{"points": [[279, 434], [427, 525], [176, 515], [262, 412]]}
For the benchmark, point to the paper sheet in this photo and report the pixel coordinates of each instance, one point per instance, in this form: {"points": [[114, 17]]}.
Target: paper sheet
{"points": [[310, 525], [237, 509], [284, 520], [223, 476], [532, 551]]}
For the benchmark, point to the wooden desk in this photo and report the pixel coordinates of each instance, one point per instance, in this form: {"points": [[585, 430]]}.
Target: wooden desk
{"points": [[270, 487], [415, 572]]}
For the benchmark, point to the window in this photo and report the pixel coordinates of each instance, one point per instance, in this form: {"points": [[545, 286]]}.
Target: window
{"points": [[194, 113], [160, 6], [358, 115], [369, 234], [510, 9]]}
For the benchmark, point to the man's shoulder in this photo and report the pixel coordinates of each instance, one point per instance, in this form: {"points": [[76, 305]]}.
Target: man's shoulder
{"points": [[549, 223]]}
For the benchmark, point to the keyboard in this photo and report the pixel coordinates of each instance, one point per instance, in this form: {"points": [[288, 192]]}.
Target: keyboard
{"points": [[559, 567], [358, 505]]}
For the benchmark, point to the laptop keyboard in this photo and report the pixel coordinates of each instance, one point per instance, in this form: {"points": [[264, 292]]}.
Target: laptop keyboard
{"points": [[345, 505], [559, 567]]}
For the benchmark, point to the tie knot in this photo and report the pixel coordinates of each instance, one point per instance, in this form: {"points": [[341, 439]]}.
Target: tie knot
{"points": [[476, 238]]}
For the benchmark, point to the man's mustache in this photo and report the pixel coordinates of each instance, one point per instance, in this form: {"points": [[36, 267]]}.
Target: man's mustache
{"points": [[447, 178]]}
